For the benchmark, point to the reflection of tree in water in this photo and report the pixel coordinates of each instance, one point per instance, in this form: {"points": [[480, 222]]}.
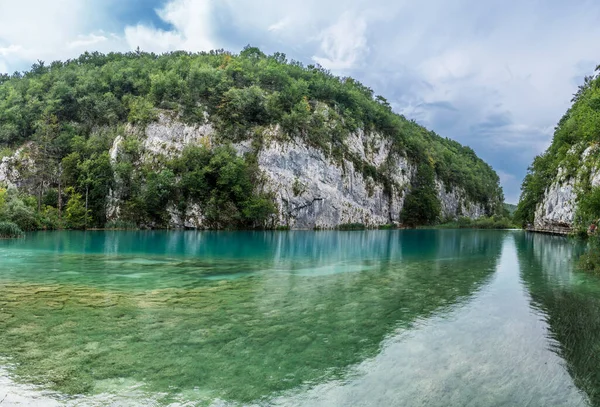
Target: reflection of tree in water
{"points": [[248, 337], [570, 302]]}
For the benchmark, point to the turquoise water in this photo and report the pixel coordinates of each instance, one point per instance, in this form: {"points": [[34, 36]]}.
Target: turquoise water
{"points": [[367, 318]]}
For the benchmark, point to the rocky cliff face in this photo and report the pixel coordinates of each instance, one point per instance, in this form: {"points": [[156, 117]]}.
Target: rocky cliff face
{"points": [[311, 190], [556, 212], [14, 169]]}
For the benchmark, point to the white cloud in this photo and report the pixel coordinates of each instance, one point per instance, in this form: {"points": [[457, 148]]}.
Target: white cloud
{"points": [[83, 41], [280, 25], [49, 30], [11, 49], [343, 44], [192, 31]]}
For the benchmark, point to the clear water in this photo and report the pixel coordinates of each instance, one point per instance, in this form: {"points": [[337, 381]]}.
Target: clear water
{"points": [[373, 318]]}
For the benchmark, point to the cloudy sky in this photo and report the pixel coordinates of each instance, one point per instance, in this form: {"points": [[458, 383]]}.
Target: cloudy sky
{"points": [[495, 75]]}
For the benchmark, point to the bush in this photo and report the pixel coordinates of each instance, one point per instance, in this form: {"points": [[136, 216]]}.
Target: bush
{"points": [[590, 261], [588, 209], [49, 219], [352, 226], [495, 222], [389, 226], [10, 230], [18, 209]]}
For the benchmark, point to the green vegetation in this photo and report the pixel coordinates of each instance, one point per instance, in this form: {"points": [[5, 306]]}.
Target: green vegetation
{"points": [[21, 209], [510, 208], [495, 222], [422, 206], [224, 186], [590, 261], [10, 230], [67, 115], [389, 226], [352, 226], [578, 129]]}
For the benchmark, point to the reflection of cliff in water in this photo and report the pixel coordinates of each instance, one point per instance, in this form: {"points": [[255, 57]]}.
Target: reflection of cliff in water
{"points": [[570, 303], [315, 304]]}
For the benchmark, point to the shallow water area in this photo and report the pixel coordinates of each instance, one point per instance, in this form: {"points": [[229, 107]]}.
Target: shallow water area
{"points": [[365, 318]]}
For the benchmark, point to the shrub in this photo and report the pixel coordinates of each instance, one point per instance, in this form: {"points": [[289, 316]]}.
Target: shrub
{"points": [[49, 219], [389, 226], [18, 209], [352, 226], [495, 222], [590, 261], [10, 230]]}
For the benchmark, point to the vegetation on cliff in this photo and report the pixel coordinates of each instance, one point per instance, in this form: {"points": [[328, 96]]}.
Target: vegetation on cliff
{"points": [[66, 115], [576, 131], [573, 154]]}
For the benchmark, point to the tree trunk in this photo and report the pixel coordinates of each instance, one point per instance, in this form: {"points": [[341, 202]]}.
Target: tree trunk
{"points": [[40, 198], [59, 199], [87, 188]]}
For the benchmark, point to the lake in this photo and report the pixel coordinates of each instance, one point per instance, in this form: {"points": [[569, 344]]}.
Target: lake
{"points": [[301, 318]]}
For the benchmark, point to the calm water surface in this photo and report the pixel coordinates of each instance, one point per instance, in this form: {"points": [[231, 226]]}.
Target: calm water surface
{"points": [[374, 318]]}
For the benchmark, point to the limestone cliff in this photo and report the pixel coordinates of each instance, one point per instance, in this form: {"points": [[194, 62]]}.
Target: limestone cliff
{"points": [[310, 188], [560, 192], [556, 211]]}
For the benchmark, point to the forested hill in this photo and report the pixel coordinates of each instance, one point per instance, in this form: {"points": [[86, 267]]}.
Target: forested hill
{"points": [[64, 117], [562, 187]]}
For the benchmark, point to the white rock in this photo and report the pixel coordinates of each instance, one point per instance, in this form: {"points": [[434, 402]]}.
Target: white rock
{"points": [[557, 209], [169, 137]]}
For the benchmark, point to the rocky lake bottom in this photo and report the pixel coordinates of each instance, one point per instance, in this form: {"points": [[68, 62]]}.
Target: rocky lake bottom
{"points": [[361, 318]]}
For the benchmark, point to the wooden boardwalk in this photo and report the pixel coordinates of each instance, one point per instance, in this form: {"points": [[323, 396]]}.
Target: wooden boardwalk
{"points": [[557, 230]]}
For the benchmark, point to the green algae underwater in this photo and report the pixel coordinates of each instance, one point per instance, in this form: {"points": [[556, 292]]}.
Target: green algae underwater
{"points": [[262, 317]]}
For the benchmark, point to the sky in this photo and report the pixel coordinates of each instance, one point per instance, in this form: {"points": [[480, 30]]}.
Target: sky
{"points": [[494, 75]]}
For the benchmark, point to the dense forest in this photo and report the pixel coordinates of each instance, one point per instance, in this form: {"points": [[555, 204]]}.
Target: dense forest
{"points": [[576, 131], [64, 117]]}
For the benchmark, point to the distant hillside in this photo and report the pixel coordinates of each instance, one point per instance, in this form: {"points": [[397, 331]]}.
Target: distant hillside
{"points": [[510, 208]]}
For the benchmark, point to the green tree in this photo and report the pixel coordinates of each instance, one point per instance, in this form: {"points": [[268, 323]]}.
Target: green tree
{"points": [[77, 217], [421, 206], [19, 209], [157, 193]]}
